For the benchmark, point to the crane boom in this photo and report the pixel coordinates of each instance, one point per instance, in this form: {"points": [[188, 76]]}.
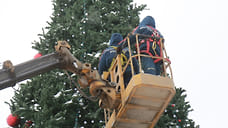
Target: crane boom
{"points": [[62, 59], [28, 69]]}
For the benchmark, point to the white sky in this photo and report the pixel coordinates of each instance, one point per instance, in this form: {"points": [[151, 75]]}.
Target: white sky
{"points": [[195, 34]]}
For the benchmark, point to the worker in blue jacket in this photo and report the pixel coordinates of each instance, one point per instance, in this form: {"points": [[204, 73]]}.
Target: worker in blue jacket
{"points": [[149, 46], [108, 56]]}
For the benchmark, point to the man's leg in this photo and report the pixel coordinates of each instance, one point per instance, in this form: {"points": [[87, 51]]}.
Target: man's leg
{"points": [[148, 65], [127, 78], [158, 67]]}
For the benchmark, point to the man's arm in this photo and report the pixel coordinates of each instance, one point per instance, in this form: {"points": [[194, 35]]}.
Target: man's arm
{"points": [[102, 64]]}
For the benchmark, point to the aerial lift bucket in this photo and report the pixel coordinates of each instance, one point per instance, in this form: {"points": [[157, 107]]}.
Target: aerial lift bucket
{"points": [[146, 96], [145, 99]]}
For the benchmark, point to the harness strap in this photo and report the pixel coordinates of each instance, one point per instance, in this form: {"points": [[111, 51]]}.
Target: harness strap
{"points": [[155, 33], [123, 59]]}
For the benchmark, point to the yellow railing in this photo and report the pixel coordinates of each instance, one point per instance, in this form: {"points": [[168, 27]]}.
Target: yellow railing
{"points": [[117, 71]]}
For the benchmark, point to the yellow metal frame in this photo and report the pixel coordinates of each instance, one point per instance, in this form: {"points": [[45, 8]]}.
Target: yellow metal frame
{"points": [[145, 93]]}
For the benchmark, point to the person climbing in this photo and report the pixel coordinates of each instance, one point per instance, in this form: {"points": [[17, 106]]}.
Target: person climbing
{"points": [[108, 57], [149, 46]]}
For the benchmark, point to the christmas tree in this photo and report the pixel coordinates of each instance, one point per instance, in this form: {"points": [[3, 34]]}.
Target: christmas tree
{"points": [[50, 100]]}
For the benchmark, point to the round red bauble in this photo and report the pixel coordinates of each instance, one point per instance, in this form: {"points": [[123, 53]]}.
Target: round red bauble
{"points": [[12, 120], [173, 105], [179, 120], [37, 55]]}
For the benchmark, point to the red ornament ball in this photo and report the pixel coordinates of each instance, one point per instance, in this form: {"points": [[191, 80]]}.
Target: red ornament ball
{"points": [[173, 105], [12, 120], [179, 120], [37, 55]]}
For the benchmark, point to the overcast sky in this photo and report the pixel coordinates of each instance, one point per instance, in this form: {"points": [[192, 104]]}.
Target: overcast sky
{"points": [[195, 39]]}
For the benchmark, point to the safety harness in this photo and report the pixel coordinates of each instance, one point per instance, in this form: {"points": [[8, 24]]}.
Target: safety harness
{"points": [[155, 44], [123, 58]]}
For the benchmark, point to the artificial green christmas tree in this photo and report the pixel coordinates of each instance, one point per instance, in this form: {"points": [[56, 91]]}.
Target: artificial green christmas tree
{"points": [[50, 100]]}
